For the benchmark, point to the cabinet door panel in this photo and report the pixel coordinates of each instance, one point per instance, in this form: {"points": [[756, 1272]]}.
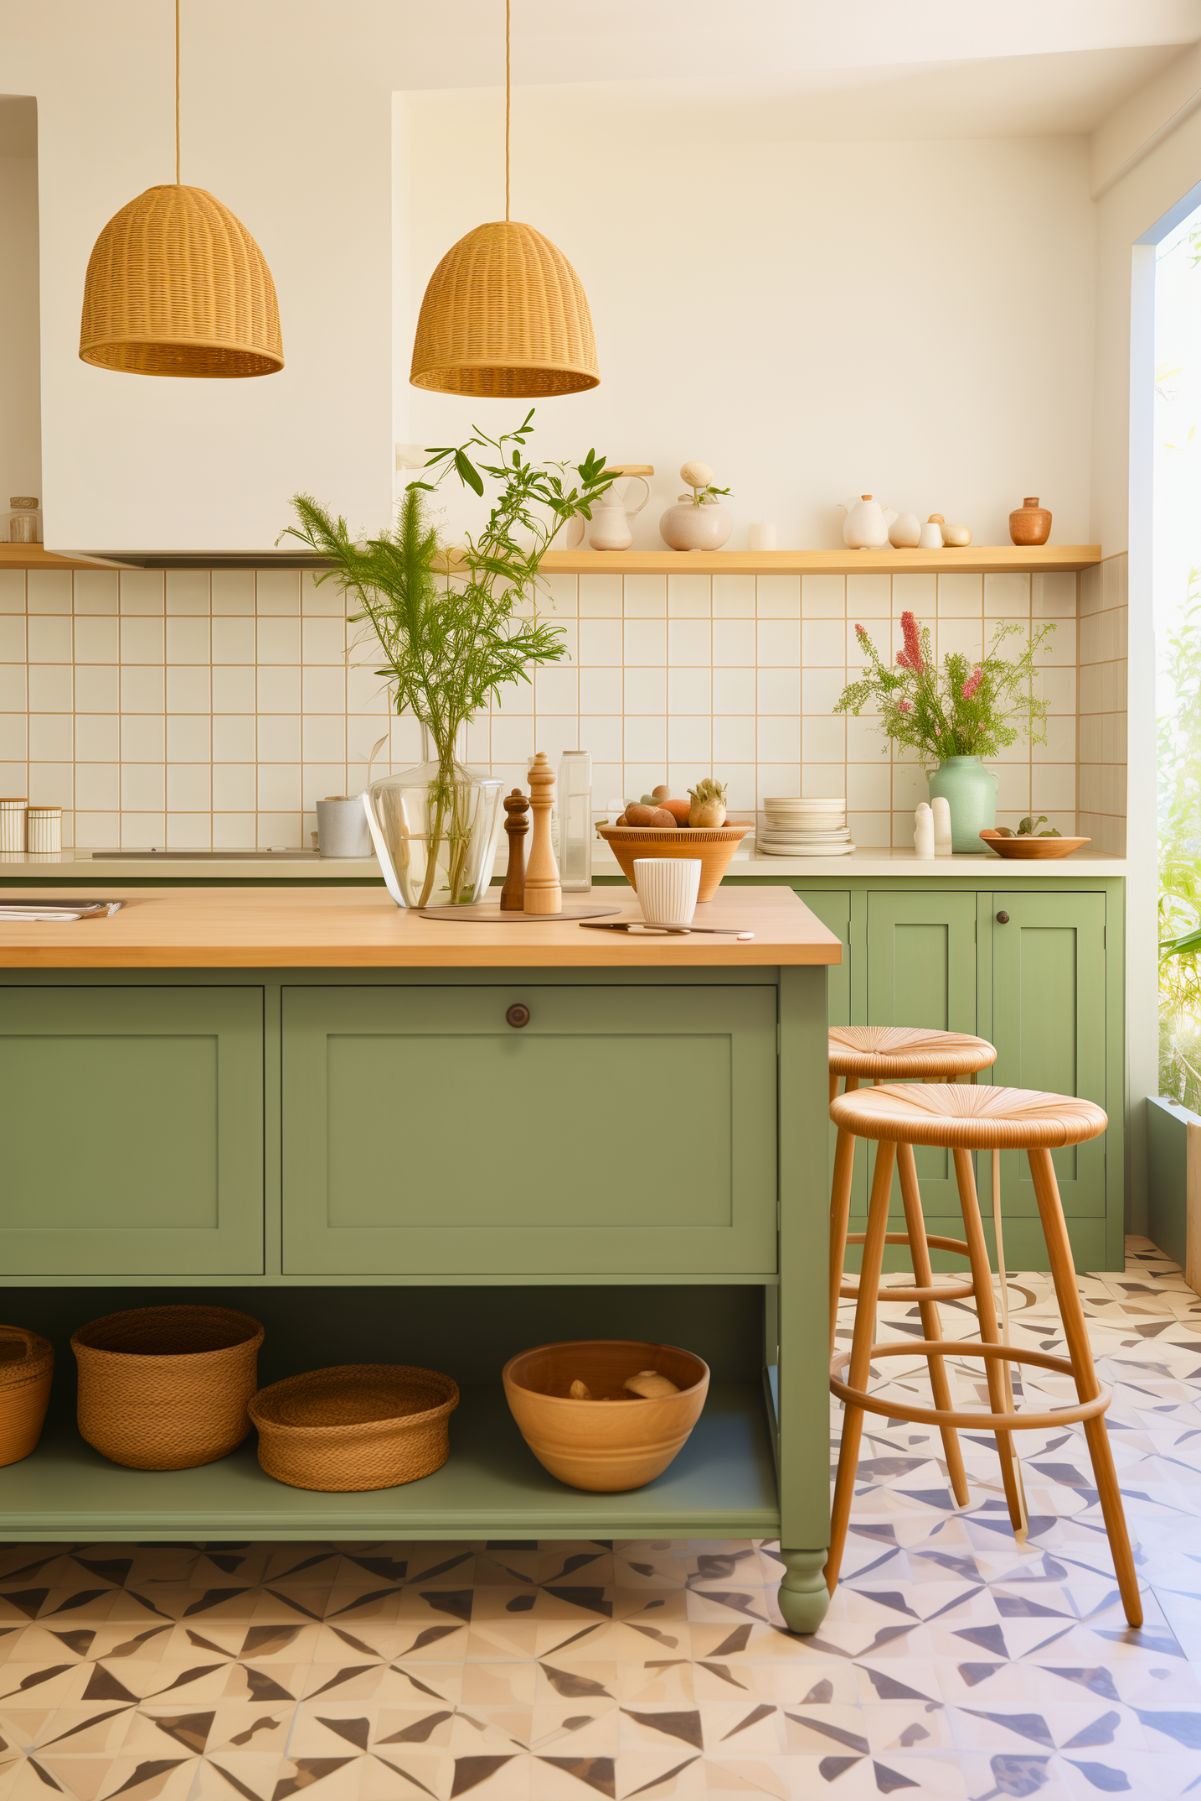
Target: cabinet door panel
{"points": [[921, 971], [621, 1130], [833, 908], [1048, 1001], [132, 1129]]}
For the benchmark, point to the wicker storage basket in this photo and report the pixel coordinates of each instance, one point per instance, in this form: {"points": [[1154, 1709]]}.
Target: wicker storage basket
{"points": [[356, 1426], [166, 1388], [26, 1369]]}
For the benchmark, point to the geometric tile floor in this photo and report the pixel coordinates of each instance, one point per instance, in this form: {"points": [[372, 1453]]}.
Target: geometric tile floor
{"points": [[953, 1662]]}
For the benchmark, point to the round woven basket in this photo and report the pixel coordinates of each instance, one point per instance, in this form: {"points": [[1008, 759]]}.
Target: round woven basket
{"points": [[506, 314], [176, 285], [356, 1426], [26, 1369], [166, 1388]]}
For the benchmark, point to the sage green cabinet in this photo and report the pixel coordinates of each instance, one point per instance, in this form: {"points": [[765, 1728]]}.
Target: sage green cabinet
{"points": [[921, 971], [622, 1130], [132, 1127], [1049, 1026], [833, 907]]}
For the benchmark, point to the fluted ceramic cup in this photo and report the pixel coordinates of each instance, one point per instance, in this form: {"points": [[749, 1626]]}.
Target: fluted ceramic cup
{"points": [[667, 889]]}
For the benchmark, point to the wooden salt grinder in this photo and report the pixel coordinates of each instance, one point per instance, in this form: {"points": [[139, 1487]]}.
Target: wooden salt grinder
{"points": [[517, 824], [542, 891]]}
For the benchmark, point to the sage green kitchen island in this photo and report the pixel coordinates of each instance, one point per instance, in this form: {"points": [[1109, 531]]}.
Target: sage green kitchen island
{"points": [[431, 1142]]}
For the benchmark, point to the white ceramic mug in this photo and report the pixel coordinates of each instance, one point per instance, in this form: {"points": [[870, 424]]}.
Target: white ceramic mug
{"points": [[667, 889], [342, 826]]}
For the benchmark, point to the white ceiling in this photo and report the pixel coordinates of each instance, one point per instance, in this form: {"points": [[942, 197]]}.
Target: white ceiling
{"points": [[823, 67]]}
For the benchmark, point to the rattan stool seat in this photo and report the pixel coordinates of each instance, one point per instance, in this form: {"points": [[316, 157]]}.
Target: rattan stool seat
{"points": [[970, 1118], [897, 1053]]}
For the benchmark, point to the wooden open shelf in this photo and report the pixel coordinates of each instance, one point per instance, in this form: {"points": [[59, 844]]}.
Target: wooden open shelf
{"points": [[36, 556], [975, 559], [723, 1484]]}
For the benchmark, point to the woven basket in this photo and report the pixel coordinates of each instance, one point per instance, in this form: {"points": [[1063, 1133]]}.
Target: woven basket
{"points": [[356, 1426], [166, 1388], [504, 313], [176, 285], [26, 1369], [714, 848]]}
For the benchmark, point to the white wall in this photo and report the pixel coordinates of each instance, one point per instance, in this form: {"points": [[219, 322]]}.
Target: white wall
{"points": [[20, 437], [814, 319]]}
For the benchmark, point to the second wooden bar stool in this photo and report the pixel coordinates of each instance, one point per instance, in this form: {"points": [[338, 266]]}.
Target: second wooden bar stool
{"points": [[902, 1054]]}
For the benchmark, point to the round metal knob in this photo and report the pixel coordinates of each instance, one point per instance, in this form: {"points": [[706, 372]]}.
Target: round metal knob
{"points": [[518, 1014], [1002, 919]]}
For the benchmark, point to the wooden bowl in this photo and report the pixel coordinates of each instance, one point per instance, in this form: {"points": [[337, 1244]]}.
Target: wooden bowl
{"points": [[615, 1441], [1034, 848], [714, 848]]}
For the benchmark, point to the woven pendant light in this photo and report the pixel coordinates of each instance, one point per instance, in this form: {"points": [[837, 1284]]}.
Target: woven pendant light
{"points": [[505, 313], [176, 285]]}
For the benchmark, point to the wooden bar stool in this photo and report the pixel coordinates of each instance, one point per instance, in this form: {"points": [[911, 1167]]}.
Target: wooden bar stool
{"points": [[895, 1054], [963, 1119]]}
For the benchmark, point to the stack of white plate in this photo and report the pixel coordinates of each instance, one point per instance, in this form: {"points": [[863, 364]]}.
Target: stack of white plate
{"points": [[804, 828]]}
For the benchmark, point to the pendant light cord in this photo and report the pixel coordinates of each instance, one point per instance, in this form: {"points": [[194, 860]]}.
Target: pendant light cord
{"points": [[508, 94], [177, 93]]}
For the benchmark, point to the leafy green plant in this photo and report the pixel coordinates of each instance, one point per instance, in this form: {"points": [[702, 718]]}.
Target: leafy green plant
{"points": [[962, 709], [456, 626], [1179, 780], [1028, 828]]}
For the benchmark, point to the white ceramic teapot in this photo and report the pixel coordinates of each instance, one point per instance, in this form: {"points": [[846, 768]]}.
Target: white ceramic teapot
{"points": [[866, 524], [609, 528]]}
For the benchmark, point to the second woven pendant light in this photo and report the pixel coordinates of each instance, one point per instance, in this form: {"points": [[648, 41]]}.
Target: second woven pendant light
{"points": [[176, 285], [505, 313]]}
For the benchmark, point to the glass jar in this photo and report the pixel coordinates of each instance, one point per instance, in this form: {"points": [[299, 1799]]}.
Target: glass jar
{"points": [[25, 521], [575, 822], [435, 829]]}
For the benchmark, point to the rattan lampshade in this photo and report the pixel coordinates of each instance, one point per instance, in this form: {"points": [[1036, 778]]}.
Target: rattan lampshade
{"points": [[506, 314], [176, 285]]}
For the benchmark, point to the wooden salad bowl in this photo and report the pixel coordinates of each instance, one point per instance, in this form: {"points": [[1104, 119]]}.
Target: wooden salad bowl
{"points": [[614, 1441], [1033, 848], [714, 846]]}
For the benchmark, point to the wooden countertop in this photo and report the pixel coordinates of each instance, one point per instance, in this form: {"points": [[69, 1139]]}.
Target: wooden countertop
{"points": [[358, 928]]}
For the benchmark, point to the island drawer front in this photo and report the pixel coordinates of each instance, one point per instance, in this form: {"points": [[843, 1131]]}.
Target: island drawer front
{"points": [[619, 1131], [132, 1128]]}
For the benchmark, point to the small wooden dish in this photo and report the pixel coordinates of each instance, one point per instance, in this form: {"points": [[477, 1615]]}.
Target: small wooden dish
{"points": [[1032, 848], [615, 1441], [714, 847]]}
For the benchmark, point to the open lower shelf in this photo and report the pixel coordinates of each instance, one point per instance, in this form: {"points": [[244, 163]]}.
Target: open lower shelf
{"points": [[723, 1483]]}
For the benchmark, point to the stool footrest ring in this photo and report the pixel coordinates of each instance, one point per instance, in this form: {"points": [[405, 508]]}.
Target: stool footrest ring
{"points": [[1070, 1414], [954, 1289]]}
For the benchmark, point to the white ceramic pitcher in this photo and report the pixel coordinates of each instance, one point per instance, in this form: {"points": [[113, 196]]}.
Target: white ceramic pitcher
{"points": [[609, 528]]}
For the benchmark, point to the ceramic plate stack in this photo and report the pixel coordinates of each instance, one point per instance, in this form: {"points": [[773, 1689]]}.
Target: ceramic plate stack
{"points": [[804, 828]]}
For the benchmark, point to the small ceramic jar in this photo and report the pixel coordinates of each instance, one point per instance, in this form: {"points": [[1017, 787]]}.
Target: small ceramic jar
{"points": [[45, 829], [12, 825], [1030, 523]]}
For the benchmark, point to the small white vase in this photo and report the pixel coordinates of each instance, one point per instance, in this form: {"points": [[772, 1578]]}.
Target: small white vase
{"points": [[905, 532], [866, 525], [931, 535], [689, 527]]}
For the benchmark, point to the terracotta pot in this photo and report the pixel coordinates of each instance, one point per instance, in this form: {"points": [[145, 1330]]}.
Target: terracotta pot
{"points": [[1030, 523]]}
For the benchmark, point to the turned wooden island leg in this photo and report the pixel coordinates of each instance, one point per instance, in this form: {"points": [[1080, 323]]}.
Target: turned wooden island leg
{"points": [[803, 1461]]}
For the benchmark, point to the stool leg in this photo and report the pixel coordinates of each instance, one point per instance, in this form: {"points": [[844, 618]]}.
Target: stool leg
{"points": [[1063, 1272], [861, 1355], [919, 1252], [840, 1208], [986, 1312]]}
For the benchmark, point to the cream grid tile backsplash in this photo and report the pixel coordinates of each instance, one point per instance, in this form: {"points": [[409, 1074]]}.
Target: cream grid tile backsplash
{"points": [[1101, 722], [197, 708]]}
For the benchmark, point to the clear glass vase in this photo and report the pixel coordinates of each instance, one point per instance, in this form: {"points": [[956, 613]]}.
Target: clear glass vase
{"points": [[435, 829]]}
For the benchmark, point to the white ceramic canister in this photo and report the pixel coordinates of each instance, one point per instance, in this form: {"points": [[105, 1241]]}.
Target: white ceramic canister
{"points": [[667, 889], [45, 831], [12, 825], [761, 535], [342, 829]]}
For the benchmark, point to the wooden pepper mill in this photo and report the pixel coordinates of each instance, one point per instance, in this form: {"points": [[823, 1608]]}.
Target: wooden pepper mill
{"points": [[517, 824], [542, 891]]}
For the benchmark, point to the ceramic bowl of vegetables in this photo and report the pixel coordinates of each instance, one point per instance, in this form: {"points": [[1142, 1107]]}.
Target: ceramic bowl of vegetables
{"points": [[1034, 838], [665, 825]]}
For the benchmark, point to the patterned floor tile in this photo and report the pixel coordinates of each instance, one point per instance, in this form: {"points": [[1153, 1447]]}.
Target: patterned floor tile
{"points": [[954, 1662]]}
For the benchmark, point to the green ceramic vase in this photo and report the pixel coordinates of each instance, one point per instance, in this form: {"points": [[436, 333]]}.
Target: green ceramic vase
{"points": [[971, 792]]}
